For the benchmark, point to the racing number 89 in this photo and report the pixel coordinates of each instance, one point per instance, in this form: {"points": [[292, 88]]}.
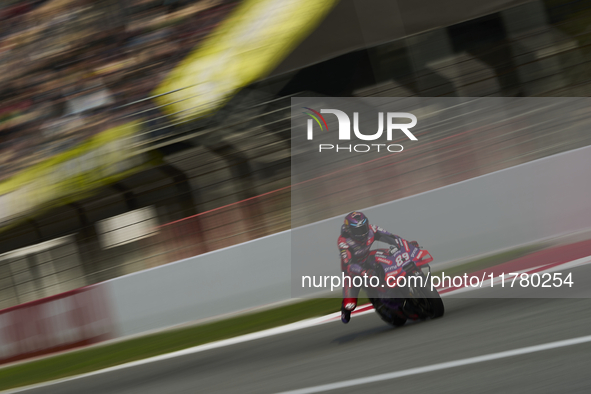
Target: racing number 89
{"points": [[402, 258]]}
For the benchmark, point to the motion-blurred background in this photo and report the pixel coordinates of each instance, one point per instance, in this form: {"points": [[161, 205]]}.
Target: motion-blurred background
{"points": [[98, 178]]}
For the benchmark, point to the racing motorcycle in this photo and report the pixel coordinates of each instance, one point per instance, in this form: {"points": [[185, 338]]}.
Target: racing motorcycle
{"points": [[404, 291]]}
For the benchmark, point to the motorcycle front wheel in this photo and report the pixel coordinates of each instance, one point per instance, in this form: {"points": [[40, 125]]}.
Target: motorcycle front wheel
{"points": [[427, 302], [384, 309]]}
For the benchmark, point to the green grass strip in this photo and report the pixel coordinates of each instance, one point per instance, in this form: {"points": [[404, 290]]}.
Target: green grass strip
{"points": [[95, 358], [99, 357]]}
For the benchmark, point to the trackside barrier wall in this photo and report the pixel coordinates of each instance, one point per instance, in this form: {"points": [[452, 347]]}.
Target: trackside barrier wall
{"points": [[76, 318], [522, 204], [239, 277], [511, 207]]}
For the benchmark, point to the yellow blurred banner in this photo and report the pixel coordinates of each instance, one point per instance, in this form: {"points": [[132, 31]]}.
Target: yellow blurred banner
{"points": [[73, 175], [249, 44]]}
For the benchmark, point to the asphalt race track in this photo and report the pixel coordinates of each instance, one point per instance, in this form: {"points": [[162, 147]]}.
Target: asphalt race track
{"points": [[366, 347]]}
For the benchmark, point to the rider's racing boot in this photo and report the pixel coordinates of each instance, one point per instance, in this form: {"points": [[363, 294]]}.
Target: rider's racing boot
{"points": [[348, 305], [345, 315]]}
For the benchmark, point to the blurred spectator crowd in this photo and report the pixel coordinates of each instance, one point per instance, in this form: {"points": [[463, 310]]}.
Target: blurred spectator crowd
{"points": [[70, 68]]}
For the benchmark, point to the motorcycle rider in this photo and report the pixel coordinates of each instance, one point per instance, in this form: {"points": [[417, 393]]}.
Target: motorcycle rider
{"points": [[355, 241]]}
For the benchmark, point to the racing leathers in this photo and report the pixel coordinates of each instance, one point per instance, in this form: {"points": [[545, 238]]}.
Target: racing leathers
{"points": [[357, 261]]}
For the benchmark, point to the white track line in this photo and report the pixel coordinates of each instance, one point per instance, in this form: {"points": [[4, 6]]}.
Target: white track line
{"points": [[196, 349], [255, 335], [440, 366]]}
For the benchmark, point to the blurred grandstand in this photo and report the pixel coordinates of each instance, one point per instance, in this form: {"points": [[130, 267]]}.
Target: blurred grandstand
{"points": [[73, 69], [68, 67]]}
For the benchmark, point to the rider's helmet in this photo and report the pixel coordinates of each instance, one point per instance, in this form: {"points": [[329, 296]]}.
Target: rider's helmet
{"points": [[357, 225]]}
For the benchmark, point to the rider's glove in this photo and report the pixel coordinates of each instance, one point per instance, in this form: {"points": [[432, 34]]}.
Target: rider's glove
{"points": [[415, 244], [372, 283], [370, 273]]}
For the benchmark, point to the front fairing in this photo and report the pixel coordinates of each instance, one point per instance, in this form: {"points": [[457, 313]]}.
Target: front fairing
{"points": [[393, 263]]}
